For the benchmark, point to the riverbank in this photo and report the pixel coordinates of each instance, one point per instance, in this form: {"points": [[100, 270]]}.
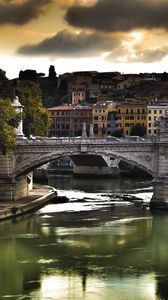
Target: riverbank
{"points": [[38, 197]]}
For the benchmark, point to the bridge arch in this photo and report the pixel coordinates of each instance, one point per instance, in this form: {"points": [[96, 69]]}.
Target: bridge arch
{"points": [[29, 164]]}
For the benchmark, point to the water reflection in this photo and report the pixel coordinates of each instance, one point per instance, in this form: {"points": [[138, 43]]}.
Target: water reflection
{"points": [[97, 254]]}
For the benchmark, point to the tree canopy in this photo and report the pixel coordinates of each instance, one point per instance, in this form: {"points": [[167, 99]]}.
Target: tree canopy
{"points": [[138, 130], [6, 86], [9, 120], [36, 118]]}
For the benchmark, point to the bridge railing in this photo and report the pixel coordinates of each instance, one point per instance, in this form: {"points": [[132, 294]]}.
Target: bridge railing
{"points": [[76, 140]]}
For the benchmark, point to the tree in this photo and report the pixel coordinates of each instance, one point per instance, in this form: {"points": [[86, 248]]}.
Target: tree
{"points": [[9, 120], [164, 76], [52, 74], [118, 132], [6, 86], [138, 130], [36, 118]]}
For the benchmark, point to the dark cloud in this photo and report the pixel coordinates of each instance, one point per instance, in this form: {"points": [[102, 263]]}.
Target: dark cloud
{"points": [[21, 13], [120, 15], [68, 44]]}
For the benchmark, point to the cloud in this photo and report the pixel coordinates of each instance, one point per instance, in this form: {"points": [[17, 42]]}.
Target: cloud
{"points": [[21, 12], [69, 3], [119, 15], [69, 44], [116, 48], [138, 55], [151, 55]]}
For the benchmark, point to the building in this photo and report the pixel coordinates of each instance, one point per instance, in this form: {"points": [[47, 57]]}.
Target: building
{"points": [[94, 92], [154, 111], [78, 95], [131, 112], [61, 116], [68, 120], [112, 118], [100, 113]]}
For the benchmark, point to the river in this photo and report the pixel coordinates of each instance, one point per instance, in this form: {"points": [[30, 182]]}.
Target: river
{"points": [[96, 246]]}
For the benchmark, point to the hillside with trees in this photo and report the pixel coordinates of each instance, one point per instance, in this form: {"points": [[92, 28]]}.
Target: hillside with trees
{"points": [[36, 120]]}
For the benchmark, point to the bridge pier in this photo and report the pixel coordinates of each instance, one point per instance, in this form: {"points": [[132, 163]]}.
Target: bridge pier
{"points": [[160, 182], [160, 193], [12, 188]]}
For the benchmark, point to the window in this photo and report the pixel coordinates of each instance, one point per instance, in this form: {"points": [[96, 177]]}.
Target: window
{"points": [[155, 112], [160, 111], [149, 118]]}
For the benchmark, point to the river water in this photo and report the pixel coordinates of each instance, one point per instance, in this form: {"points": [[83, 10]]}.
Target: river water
{"points": [[96, 247]]}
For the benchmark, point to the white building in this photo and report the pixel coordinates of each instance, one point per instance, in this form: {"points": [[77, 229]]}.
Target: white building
{"points": [[153, 113]]}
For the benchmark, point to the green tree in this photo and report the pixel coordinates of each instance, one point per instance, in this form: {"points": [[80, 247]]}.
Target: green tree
{"points": [[138, 130], [9, 120], [36, 118]]}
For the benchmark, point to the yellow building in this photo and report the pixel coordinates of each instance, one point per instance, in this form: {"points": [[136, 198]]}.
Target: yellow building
{"points": [[131, 112], [100, 112], [154, 112]]}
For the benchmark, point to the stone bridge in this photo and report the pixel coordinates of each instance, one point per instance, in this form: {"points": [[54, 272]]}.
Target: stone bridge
{"points": [[149, 155], [30, 154]]}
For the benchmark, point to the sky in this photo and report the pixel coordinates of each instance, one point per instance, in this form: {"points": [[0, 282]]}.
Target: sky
{"points": [[129, 36]]}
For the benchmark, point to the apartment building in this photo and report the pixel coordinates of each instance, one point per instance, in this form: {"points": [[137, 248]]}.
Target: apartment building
{"points": [[100, 113], [67, 120], [154, 111], [78, 95], [131, 112]]}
